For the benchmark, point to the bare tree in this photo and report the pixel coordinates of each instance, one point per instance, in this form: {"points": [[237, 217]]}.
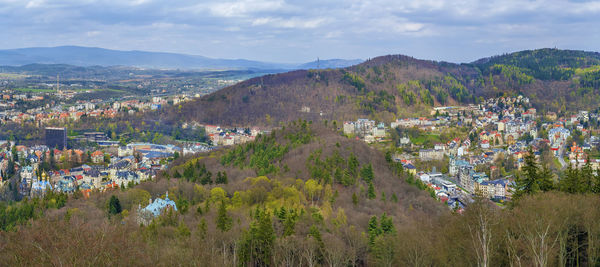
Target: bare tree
{"points": [[335, 252], [287, 252], [480, 220], [309, 252]]}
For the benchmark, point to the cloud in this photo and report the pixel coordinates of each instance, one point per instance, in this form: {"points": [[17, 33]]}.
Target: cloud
{"points": [[295, 30]]}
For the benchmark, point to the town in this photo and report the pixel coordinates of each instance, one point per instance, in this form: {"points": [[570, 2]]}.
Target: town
{"points": [[463, 151], [106, 164], [459, 152]]}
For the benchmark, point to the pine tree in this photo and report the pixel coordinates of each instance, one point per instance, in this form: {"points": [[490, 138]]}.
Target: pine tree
{"points": [[367, 173], [570, 182], [354, 199], [207, 179], [224, 222], [353, 166], [546, 179], [289, 224], [258, 243], [527, 184], [221, 178], [387, 225], [114, 205], [373, 230], [587, 177], [371, 192]]}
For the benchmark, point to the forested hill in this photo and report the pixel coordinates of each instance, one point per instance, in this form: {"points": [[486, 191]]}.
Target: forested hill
{"points": [[385, 87], [301, 189]]}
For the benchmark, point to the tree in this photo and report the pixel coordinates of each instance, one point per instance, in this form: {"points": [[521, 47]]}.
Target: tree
{"points": [[224, 222], [371, 191], [257, 245], [373, 230], [354, 199], [387, 225], [532, 179], [114, 206], [313, 189], [353, 166], [570, 182], [384, 250], [206, 179], [586, 177], [480, 219], [221, 178], [367, 173]]}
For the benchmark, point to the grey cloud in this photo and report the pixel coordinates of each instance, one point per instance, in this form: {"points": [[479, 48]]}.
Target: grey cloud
{"points": [[286, 31]]}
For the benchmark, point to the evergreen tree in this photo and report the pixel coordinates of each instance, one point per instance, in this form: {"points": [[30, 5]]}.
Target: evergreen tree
{"points": [[224, 222], [533, 180], [354, 199], [371, 191], [387, 225], [114, 206], [373, 230], [587, 177], [546, 179], [353, 166], [367, 173], [221, 178], [289, 224], [206, 179], [570, 182], [188, 172], [258, 243]]}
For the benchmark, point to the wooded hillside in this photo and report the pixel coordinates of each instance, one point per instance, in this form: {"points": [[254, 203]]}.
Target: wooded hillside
{"points": [[389, 86]]}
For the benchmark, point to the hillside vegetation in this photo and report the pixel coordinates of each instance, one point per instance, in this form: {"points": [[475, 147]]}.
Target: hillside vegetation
{"points": [[301, 196], [389, 86]]}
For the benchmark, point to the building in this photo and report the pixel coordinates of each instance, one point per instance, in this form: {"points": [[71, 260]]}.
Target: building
{"points": [[97, 156], [431, 154], [56, 137], [95, 136], [155, 209]]}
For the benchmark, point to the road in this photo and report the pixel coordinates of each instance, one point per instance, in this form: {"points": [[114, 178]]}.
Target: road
{"points": [[561, 159]]}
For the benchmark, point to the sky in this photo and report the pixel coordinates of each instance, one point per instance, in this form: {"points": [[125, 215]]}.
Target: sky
{"points": [[303, 30]]}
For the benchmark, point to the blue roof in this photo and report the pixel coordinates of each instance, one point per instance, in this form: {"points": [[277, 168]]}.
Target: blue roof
{"points": [[409, 166], [159, 205]]}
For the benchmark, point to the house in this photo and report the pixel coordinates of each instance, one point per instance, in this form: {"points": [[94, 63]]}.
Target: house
{"points": [[455, 165], [155, 209], [410, 168], [485, 144], [379, 131], [348, 127], [431, 154], [97, 156]]}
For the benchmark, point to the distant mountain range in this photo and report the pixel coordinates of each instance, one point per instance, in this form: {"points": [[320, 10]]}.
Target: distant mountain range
{"points": [[92, 56]]}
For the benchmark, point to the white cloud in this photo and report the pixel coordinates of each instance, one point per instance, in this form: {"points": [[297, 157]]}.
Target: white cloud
{"points": [[299, 23], [269, 29], [34, 3]]}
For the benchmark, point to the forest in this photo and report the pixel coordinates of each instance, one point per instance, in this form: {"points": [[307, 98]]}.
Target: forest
{"points": [[387, 87], [306, 196]]}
